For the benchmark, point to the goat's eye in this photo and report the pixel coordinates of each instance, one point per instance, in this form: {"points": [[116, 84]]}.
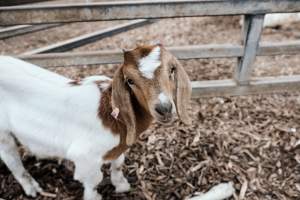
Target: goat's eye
{"points": [[130, 81], [172, 73]]}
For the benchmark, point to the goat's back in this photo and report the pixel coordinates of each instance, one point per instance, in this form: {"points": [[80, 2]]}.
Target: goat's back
{"points": [[43, 110], [10, 66]]}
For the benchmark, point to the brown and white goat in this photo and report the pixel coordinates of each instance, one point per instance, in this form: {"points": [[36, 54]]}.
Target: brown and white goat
{"points": [[90, 121]]}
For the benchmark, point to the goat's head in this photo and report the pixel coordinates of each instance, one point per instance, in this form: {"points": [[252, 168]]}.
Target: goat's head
{"points": [[156, 79]]}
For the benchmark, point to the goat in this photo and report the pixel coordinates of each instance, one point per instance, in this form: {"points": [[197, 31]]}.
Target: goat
{"points": [[91, 121]]}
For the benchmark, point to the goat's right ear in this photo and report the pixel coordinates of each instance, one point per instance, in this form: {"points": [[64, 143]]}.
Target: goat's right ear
{"points": [[121, 100], [183, 92]]}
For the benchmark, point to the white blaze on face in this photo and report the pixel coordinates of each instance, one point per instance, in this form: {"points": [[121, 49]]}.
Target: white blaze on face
{"points": [[163, 98], [150, 63]]}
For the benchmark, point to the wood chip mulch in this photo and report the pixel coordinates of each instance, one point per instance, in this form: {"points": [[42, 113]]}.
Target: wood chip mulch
{"points": [[252, 141]]}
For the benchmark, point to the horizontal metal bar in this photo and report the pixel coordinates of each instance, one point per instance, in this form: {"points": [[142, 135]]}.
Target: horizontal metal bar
{"points": [[35, 14], [23, 29], [260, 85], [278, 48], [89, 38], [183, 53], [19, 2], [116, 56]]}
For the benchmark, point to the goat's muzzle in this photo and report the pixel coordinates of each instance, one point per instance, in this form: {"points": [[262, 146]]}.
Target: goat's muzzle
{"points": [[164, 112]]}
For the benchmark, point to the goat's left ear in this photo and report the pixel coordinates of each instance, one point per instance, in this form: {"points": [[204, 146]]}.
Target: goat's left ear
{"points": [[121, 100], [182, 92]]}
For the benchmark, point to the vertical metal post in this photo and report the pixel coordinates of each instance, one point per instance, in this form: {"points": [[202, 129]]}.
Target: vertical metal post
{"points": [[252, 29]]}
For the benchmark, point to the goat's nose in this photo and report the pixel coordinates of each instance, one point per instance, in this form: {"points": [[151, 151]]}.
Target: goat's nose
{"points": [[164, 109]]}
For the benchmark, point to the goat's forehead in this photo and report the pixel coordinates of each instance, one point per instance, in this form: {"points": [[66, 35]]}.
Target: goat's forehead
{"points": [[150, 62]]}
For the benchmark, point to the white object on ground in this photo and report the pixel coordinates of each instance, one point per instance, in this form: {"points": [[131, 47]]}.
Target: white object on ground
{"points": [[278, 19], [218, 192]]}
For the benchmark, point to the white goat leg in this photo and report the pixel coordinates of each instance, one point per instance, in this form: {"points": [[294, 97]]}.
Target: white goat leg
{"points": [[117, 177], [88, 172], [10, 156]]}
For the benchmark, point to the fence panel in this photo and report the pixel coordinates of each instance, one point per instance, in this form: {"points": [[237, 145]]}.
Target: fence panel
{"points": [[36, 14]]}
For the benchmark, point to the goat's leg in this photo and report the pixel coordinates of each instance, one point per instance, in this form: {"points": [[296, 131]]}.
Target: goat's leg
{"points": [[117, 177], [10, 156], [88, 172]]}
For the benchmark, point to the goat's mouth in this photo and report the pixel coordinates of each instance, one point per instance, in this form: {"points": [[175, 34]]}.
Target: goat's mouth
{"points": [[164, 119]]}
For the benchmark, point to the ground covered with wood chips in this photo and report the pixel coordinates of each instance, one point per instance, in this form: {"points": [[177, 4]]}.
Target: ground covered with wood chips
{"points": [[252, 141]]}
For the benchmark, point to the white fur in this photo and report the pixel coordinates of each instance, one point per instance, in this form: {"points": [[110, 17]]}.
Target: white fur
{"points": [[52, 119], [149, 63], [163, 98], [92, 79]]}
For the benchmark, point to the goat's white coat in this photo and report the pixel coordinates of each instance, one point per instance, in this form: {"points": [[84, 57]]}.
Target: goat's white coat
{"points": [[41, 107], [52, 118], [149, 63]]}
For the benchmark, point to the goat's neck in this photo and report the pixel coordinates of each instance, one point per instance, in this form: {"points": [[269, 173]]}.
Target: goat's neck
{"points": [[117, 126]]}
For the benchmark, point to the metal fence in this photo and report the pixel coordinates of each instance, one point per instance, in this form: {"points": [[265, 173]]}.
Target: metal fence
{"points": [[241, 84]]}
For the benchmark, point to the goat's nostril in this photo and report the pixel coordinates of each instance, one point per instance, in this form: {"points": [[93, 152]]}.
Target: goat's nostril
{"points": [[164, 109], [168, 107], [159, 110]]}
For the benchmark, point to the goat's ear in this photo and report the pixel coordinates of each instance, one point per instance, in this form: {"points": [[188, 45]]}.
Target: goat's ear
{"points": [[121, 99], [183, 92]]}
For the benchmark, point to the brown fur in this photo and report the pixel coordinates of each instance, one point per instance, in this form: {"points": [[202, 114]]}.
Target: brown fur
{"points": [[117, 126], [182, 89], [131, 57], [130, 67], [137, 101]]}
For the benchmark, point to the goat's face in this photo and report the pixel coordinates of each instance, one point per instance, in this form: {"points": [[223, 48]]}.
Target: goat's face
{"points": [[151, 81], [158, 82]]}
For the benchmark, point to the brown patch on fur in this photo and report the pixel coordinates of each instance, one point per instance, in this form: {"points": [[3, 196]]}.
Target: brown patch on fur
{"points": [[117, 126], [131, 57], [145, 50], [135, 101], [130, 69]]}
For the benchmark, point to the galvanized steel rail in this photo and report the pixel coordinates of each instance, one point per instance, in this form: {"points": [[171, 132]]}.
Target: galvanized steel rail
{"points": [[23, 29], [145, 9], [241, 84], [182, 52], [89, 37]]}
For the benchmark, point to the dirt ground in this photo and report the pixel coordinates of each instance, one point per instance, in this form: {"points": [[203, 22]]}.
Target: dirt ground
{"points": [[253, 141]]}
